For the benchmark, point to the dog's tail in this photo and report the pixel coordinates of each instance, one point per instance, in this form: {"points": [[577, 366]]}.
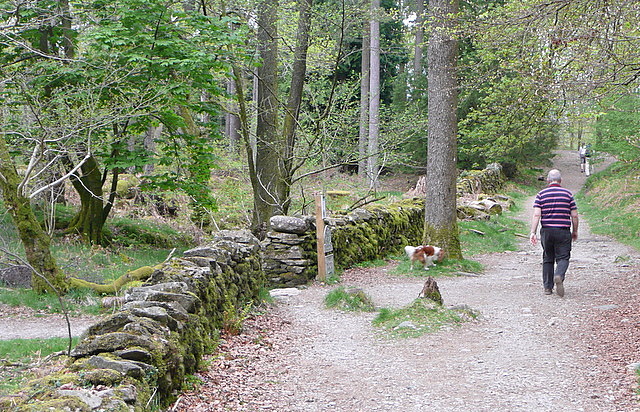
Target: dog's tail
{"points": [[410, 250]]}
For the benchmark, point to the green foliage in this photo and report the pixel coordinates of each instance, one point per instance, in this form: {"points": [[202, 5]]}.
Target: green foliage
{"points": [[617, 127], [100, 265], [611, 203], [192, 382], [353, 300], [509, 125], [145, 233], [233, 318], [136, 64], [264, 296], [421, 317]]}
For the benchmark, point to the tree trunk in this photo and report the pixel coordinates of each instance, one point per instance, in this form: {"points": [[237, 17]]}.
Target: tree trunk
{"points": [[232, 122], [89, 220], [151, 136], [417, 55], [268, 161], [293, 104], [67, 44], [363, 136], [374, 95], [35, 240], [441, 226]]}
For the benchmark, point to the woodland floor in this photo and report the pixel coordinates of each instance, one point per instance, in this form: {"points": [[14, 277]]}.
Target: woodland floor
{"points": [[527, 351]]}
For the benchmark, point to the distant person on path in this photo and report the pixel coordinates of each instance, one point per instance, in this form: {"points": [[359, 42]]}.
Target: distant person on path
{"points": [[555, 209], [583, 157]]}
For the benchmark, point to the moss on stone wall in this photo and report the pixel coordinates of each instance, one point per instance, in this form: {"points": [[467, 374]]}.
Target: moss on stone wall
{"points": [[382, 231], [160, 335]]}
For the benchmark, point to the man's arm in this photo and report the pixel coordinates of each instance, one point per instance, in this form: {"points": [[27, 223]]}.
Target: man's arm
{"points": [[574, 224], [537, 212]]}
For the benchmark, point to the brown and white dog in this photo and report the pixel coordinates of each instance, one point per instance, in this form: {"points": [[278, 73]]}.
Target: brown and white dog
{"points": [[425, 254]]}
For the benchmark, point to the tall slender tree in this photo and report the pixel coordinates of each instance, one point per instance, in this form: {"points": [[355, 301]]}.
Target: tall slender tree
{"points": [[267, 174], [419, 39], [441, 226], [363, 130], [374, 94], [274, 166]]}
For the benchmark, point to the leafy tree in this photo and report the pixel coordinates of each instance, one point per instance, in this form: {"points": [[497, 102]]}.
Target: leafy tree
{"points": [[87, 89], [617, 127], [142, 64]]}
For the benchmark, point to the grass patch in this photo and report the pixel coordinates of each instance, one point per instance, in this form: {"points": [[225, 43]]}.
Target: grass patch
{"points": [[145, 233], [448, 267], [18, 354], [352, 300], [499, 234], [98, 264], [421, 317], [76, 301], [611, 203]]}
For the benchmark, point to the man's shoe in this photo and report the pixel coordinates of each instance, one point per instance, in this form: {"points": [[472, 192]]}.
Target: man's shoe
{"points": [[547, 291], [559, 285]]}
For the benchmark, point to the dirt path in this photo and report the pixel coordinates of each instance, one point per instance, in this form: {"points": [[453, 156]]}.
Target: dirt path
{"points": [[24, 323], [528, 352]]}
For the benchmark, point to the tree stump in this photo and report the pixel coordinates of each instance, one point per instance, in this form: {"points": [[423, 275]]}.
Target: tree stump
{"points": [[430, 291]]}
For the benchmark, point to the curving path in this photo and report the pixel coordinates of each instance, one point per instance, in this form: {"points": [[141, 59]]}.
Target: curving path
{"points": [[528, 352]]}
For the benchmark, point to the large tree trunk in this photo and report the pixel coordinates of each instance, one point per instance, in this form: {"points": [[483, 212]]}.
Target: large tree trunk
{"points": [[441, 226], [374, 95], [363, 135], [89, 220], [35, 240], [267, 173]]}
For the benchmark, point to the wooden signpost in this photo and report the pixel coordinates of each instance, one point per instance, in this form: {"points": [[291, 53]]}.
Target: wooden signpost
{"points": [[325, 248]]}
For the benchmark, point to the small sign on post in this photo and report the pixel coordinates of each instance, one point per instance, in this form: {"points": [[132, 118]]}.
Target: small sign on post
{"points": [[325, 248]]}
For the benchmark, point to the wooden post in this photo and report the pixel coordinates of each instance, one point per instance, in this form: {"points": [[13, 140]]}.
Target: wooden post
{"points": [[320, 212]]}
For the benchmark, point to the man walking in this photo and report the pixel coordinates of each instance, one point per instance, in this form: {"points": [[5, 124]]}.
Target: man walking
{"points": [[556, 211]]}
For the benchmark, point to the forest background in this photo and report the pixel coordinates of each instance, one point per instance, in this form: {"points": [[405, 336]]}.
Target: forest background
{"points": [[219, 115]]}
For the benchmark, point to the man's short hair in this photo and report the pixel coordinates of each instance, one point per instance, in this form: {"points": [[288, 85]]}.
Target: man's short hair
{"points": [[554, 176]]}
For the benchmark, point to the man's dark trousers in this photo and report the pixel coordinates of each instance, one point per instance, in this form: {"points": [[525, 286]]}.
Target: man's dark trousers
{"points": [[556, 246]]}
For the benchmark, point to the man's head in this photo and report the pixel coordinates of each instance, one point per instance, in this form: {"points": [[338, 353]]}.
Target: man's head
{"points": [[554, 176]]}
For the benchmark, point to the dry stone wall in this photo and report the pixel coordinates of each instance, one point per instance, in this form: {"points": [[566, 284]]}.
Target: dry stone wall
{"points": [[290, 252], [138, 357]]}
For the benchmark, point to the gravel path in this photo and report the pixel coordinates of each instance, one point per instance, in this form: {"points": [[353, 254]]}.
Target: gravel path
{"points": [[23, 323], [527, 352]]}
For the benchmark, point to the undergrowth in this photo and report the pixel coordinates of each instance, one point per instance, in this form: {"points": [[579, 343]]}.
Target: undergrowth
{"points": [[18, 354], [610, 201], [351, 299], [76, 302]]}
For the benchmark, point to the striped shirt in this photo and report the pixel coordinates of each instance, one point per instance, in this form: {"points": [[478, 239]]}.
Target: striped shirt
{"points": [[556, 204]]}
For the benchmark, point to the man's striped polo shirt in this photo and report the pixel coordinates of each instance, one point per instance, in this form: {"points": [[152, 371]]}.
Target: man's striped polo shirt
{"points": [[556, 204]]}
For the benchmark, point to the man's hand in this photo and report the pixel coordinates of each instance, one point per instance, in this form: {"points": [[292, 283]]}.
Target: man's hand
{"points": [[533, 239], [574, 235]]}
